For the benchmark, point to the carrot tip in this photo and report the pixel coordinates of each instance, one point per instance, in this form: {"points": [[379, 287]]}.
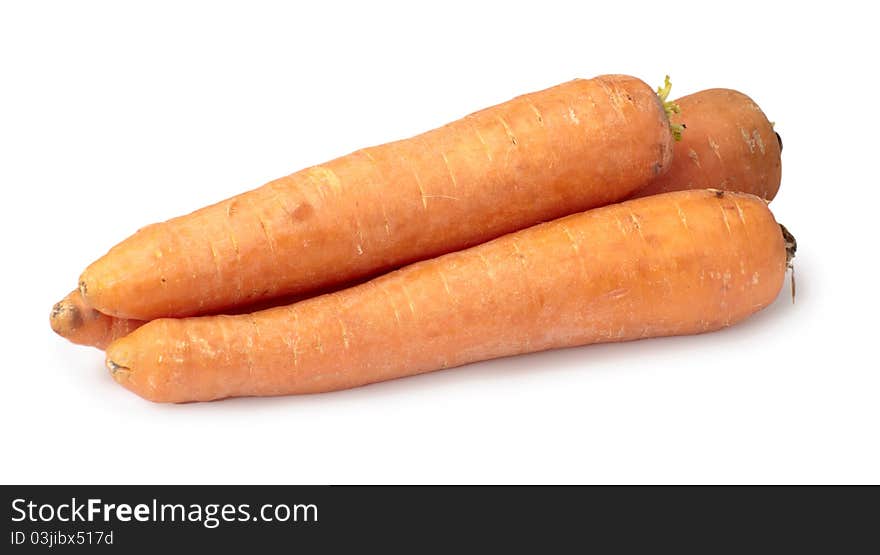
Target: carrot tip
{"points": [[57, 309], [118, 371], [65, 318], [55, 318]]}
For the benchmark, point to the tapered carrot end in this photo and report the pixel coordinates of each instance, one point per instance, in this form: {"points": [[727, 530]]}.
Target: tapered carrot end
{"points": [[97, 290], [65, 317], [118, 371], [119, 360], [85, 289], [73, 319], [135, 369], [119, 364], [75, 322], [125, 283]]}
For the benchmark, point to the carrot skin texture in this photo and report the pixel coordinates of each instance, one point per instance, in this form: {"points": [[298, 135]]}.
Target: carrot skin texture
{"points": [[76, 321], [728, 144], [734, 164], [73, 319], [680, 263], [730, 165], [537, 157]]}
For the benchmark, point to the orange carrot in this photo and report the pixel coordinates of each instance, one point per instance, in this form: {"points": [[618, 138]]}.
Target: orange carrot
{"points": [[74, 320], [728, 144], [679, 263], [719, 114], [575, 146]]}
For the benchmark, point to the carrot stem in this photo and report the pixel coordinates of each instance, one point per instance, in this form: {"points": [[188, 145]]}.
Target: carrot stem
{"points": [[670, 107]]}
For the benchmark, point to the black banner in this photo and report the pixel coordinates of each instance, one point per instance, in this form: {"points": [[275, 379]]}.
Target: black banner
{"points": [[330, 519]]}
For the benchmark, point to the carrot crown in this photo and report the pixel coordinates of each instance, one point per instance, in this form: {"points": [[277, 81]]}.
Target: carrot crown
{"points": [[671, 108]]}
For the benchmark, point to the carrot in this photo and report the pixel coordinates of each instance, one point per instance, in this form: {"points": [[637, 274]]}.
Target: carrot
{"points": [[680, 263], [574, 146], [74, 320], [728, 144], [712, 116]]}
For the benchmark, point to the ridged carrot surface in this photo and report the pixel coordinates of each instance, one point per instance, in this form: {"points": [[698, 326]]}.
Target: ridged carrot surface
{"points": [[575, 146], [716, 118], [727, 143], [679, 263]]}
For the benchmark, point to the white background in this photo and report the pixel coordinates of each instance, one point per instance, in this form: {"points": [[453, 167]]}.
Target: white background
{"points": [[113, 116]]}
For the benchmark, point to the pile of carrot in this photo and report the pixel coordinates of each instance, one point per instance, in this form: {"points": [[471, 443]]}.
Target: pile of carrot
{"points": [[594, 211]]}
